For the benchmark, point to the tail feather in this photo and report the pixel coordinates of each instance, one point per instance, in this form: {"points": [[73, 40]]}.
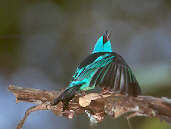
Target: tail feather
{"points": [[67, 95]]}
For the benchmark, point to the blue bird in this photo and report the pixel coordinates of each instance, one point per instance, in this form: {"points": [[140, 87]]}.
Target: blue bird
{"points": [[102, 68]]}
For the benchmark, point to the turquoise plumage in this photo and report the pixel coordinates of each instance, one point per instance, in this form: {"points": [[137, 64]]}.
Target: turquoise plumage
{"points": [[102, 68], [101, 47]]}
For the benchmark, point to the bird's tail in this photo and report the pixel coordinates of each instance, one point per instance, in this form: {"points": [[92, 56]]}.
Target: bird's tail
{"points": [[67, 95]]}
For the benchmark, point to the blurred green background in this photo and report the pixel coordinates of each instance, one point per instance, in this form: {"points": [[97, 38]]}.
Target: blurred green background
{"points": [[42, 42]]}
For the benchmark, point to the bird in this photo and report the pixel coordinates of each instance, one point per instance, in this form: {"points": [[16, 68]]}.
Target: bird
{"points": [[103, 68]]}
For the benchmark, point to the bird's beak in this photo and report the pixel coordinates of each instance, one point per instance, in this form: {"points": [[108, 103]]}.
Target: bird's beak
{"points": [[106, 36]]}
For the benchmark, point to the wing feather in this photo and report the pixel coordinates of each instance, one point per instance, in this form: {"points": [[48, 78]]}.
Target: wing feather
{"points": [[108, 71], [117, 76]]}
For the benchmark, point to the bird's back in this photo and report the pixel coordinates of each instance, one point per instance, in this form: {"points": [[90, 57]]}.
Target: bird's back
{"points": [[107, 70]]}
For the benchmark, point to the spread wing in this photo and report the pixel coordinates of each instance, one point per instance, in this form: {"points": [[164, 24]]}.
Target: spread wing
{"points": [[107, 70], [117, 75]]}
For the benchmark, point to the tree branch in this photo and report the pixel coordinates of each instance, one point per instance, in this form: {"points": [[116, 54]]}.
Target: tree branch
{"points": [[111, 104]]}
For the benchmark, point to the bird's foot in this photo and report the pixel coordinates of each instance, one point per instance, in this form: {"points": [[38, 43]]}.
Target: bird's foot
{"points": [[81, 93]]}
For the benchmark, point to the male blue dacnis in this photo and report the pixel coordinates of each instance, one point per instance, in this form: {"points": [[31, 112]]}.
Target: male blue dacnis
{"points": [[102, 68]]}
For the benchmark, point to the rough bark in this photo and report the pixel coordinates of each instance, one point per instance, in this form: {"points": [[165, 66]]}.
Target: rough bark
{"points": [[95, 105]]}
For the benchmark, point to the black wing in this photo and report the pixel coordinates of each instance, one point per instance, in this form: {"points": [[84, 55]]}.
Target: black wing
{"points": [[117, 76]]}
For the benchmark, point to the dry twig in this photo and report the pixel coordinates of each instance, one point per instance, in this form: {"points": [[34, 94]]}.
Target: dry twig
{"points": [[111, 104]]}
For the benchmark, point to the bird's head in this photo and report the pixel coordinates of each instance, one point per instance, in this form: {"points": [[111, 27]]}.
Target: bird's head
{"points": [[103, 44]]}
